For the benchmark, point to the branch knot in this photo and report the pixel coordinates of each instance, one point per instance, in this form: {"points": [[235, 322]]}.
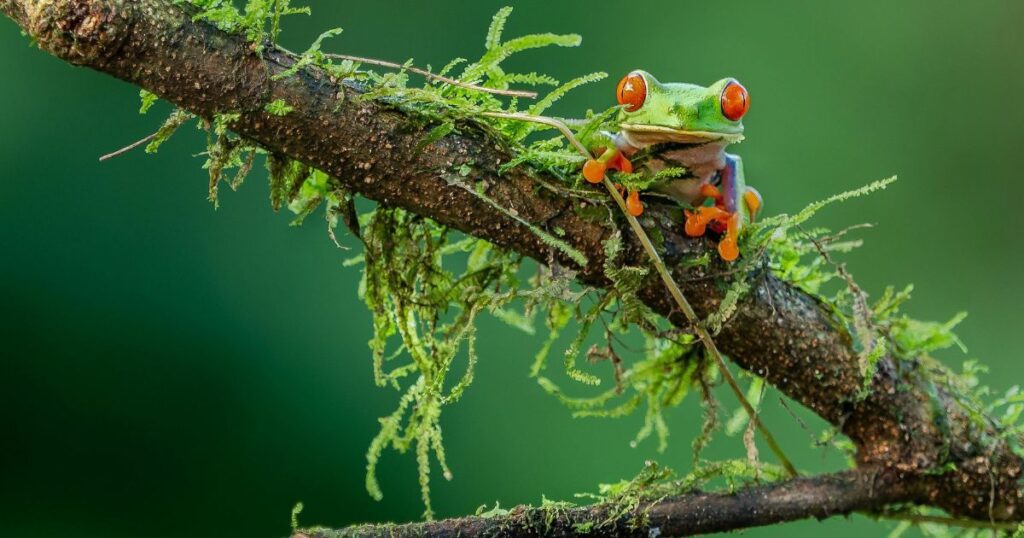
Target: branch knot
{"points": [[83, 32]]}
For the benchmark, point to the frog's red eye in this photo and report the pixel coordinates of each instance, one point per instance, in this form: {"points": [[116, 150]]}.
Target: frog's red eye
{"points": [[632, 91], [735, 101]]}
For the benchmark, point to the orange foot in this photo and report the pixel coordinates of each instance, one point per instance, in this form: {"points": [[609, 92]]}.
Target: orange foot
{"points": [[610, 159], [593, 171], [728, 247], [697, 222]]}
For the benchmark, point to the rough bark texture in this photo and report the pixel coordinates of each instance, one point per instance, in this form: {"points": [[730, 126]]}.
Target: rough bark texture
{"points": [[907, 426]]}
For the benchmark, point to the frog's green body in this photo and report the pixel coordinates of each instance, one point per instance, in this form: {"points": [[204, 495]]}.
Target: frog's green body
{"points": [[685, 126]]}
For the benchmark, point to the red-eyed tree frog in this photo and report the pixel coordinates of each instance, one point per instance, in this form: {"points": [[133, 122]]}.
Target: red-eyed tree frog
{"points": [[684, 126]]}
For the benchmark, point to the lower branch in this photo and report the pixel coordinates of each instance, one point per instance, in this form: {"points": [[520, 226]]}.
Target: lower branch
{"points": [[684, 515]]}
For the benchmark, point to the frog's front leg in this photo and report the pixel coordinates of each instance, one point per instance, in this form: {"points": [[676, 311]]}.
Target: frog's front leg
{"points": [[608, 159], [613, 159]]}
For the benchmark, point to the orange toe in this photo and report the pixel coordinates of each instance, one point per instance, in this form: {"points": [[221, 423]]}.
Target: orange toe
{"points": [[710, 213], [753, 200], [593, 171], [728, 249], [695, 226], [633, 204]]}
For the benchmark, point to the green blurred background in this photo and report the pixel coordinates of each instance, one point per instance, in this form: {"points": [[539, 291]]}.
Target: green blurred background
{"points": [[173, 370]]}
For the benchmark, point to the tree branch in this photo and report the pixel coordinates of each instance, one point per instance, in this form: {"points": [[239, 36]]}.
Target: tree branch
{"points": [[694, 513], [907, 427]]}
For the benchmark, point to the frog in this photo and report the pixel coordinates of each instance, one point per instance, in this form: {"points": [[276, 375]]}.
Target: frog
{"points": [[680, 125]]}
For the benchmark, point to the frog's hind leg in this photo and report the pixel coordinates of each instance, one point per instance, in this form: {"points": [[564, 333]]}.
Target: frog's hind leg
{"points": [[737, 204], [733, 205]]}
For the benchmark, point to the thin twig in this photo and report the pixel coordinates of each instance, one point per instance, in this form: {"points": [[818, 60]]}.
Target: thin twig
{"points": [[670, 283], [551, 122], [128, 148], [799, 421], [428, 74]]}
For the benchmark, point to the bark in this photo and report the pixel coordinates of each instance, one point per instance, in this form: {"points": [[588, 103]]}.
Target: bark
{"points": [[906, 427]]}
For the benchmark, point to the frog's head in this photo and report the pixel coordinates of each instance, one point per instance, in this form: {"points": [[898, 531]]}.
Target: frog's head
{"points": [[655, 113]]}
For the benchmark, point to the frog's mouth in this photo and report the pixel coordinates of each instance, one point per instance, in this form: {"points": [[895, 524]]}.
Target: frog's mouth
{"points": [[646, 135]]}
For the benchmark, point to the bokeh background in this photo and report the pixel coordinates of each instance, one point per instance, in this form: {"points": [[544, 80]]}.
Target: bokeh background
{"points": [[170, 370]]}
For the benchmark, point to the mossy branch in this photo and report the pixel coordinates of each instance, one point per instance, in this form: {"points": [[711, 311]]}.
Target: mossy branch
{"points": [[684, 515], [776, 331]]}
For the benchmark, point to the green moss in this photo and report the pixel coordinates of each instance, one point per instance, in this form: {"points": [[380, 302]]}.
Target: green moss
{"points": [[497, 511], [278, 107], [258, 20], [170, 126], [630, 500], [584, 528], [147, 100], [552, 510]]}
